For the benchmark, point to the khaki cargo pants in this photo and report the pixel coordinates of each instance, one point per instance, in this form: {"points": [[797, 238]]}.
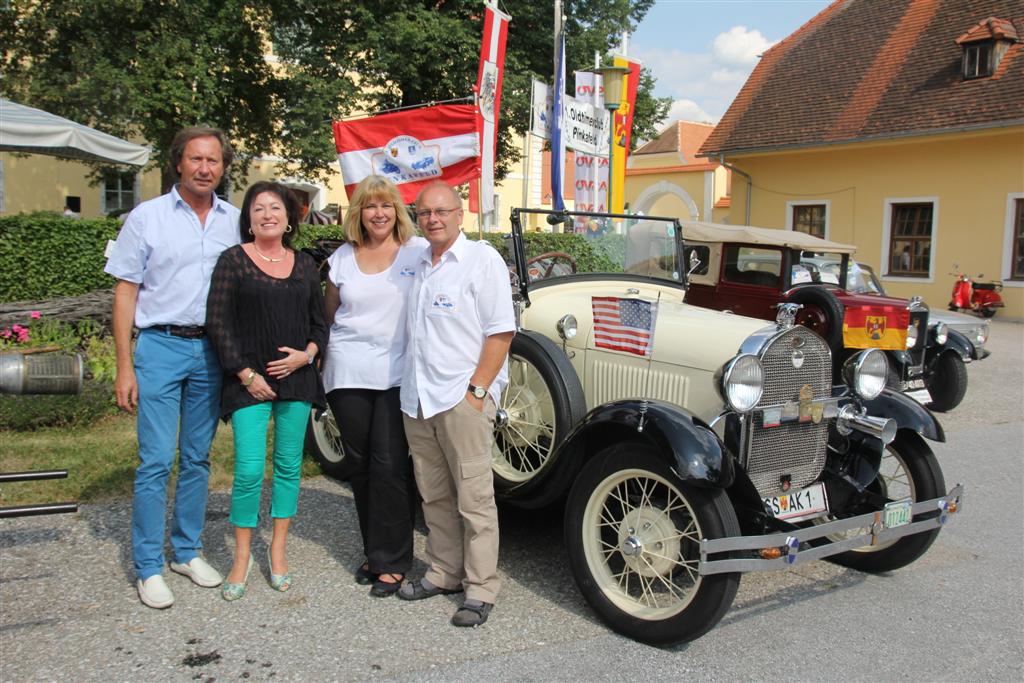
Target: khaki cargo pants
{"points": [[451, 456]]}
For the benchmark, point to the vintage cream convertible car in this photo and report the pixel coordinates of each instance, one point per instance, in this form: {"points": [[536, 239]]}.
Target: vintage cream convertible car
{"points": [[692, 445]]}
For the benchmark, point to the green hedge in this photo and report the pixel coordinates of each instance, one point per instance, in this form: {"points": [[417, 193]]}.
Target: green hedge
{"points": [[600, 255], [45, 255]]}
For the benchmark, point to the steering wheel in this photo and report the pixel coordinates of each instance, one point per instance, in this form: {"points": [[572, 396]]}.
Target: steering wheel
{"points": [[547, 262]]}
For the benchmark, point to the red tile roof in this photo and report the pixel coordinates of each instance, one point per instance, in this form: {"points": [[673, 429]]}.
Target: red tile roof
{"points": [[989, 29], [684, 137], [870, 69]]}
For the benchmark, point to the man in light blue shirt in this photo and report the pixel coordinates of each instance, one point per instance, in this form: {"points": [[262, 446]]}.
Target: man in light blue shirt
{"points": [[163, 259]]}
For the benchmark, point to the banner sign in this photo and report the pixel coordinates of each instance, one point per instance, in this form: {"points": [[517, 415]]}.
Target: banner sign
{"points": [[584, 126], [411, 147], [623, 130], [488, 88], [557, 139], [540, 123], [591, 186]]}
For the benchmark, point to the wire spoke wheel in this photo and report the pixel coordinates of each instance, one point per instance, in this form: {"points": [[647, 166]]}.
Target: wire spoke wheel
{"points": [[633, 532]]}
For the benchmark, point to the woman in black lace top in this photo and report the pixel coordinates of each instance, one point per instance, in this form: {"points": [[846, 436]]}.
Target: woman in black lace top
{"points": [[265, 316]]}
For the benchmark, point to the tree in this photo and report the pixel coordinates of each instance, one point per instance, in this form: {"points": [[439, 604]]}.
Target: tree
{"points": [[143, 68]]}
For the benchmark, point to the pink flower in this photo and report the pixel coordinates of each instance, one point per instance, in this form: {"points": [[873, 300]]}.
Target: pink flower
{"points": [[23, 335], [5, 333], [35, 315]]}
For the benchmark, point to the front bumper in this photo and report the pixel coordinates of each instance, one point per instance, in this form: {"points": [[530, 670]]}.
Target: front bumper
{"points": [[791, 544]]}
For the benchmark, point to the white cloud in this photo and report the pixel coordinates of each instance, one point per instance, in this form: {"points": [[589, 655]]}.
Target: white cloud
{"points": [[739, 46], [687, 110], [703, 84]]}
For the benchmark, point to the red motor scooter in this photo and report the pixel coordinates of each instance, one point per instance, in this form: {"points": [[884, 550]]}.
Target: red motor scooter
{"points": [[978, 297]]}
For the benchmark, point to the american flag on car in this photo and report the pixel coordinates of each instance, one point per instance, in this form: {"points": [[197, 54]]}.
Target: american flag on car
{"points": [[624, 324]]}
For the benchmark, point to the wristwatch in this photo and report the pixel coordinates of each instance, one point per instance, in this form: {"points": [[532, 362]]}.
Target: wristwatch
{"points": [[478, 392]]}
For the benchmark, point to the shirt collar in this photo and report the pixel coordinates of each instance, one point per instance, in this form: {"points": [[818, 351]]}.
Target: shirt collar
{"points": [[218, 203], [457, 250]]}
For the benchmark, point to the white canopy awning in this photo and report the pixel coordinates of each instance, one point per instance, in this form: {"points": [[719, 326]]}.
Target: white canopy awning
{"points": [[34, 131]]}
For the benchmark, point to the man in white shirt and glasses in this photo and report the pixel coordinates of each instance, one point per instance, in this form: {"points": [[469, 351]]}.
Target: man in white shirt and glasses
{"points": [[460, 326], [163, 259]]}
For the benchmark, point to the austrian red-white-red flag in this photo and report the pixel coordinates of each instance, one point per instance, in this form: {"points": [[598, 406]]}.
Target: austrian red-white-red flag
{"points": [[411, 147], [488, 88]]}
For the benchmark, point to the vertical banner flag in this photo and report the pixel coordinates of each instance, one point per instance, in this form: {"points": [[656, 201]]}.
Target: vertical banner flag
{"points": [[624, 324], [557, 142], [623, 131], [411, 147], [591, 186], [488, 89], [540, 123]]}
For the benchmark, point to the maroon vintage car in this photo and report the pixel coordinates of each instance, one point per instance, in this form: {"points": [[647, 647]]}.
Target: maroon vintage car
{"points": [[750, 271]]}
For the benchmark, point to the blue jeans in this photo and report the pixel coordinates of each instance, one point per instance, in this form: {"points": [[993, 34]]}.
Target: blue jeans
{"points": [[179, 402], [249, 426]]}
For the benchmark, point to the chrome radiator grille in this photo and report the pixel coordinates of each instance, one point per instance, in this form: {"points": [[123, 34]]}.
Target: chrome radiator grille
{"points": [[794, 449]]}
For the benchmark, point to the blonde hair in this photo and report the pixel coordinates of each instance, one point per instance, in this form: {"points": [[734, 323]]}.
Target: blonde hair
{"points": [[376, 188]]}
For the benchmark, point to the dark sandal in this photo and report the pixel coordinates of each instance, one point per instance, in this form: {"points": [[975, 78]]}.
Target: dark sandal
{"points": [[382, 589], [472, 615], [364, 577], [415, 591]]}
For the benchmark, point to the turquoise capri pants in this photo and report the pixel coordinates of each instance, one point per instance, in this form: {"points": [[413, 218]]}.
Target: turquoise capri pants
{"points": [[250, 433]]}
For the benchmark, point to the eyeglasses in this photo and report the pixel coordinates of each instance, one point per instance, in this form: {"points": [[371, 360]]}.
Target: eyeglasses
{"points": [[424, 214]]}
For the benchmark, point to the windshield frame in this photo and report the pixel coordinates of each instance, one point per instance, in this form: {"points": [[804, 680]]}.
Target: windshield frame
{"points": [[566, 219]]}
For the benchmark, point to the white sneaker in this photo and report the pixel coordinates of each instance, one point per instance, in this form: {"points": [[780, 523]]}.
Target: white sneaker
{"points": [[199, 570], [154, 592]]}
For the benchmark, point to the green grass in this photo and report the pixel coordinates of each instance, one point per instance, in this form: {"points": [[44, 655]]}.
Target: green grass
{"points": [[100, 460]]}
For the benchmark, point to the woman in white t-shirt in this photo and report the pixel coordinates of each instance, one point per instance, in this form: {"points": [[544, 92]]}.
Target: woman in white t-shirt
{"points": [[367, 290]]}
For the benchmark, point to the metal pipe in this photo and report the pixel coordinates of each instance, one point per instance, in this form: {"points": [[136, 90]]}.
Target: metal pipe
{"points": [[9, 477], [35, 510], [750, 184]]}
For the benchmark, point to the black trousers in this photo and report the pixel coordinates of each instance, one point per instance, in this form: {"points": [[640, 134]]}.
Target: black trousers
{"points": [[370, 422]]}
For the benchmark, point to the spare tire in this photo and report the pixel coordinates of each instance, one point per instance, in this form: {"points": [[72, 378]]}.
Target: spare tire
{"points": [[822, 313]]}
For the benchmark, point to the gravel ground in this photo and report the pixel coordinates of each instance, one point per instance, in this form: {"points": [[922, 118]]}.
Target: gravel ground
{"points": [[69, 610]]}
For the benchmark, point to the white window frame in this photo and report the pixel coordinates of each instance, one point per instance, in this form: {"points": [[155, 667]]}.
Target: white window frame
{"points": [[809, 202], [136, 187], [1011, 215], [887, 232]]}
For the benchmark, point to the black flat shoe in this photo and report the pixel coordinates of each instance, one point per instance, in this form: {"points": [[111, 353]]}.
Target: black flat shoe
{"points": [[382, 589], [364, 577]]}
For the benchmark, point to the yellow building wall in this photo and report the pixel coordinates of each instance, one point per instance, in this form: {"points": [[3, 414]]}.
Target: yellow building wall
{"points": [[969, 176]]}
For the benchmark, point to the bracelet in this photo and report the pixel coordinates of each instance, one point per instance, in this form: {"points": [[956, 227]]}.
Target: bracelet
{"points": [[309, 358], [249, 379]]}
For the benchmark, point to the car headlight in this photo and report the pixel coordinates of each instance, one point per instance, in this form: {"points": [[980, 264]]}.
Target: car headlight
{"points": [[911, 335], [981, 334], [941, 333], [741, 382], [567, 326], [866, 373]]}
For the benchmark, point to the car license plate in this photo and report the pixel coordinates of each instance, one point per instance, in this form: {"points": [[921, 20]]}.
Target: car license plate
{"points": [[896, 513], [797, 505]]}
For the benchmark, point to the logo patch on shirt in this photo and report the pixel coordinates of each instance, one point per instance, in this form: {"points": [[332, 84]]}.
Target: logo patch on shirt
{"points": [[408, 271], [442, 302]]}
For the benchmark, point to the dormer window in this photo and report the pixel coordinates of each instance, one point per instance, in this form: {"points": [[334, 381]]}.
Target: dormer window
{"points": [[984, 45], [978, 60]]}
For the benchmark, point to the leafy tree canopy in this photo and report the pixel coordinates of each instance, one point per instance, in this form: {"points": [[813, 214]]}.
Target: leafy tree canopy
{"points": [[144, 68]]}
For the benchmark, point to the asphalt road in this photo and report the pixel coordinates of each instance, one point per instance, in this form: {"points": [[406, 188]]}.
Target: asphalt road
{"points": [[69, 611]]}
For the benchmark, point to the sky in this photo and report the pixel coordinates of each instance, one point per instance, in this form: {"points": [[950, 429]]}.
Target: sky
{"points": [[702, 51]]}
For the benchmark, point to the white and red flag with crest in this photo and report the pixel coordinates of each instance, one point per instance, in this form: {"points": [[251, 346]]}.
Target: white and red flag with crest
{"points": [[488, 88], [411, 147]]}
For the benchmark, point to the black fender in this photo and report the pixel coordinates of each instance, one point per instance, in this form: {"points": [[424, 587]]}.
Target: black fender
{"points": [[955, 342], [688, 444], [908, 413]]}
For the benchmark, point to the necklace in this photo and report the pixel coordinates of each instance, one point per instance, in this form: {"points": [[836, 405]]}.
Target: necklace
{"points": [[267, 258]]}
